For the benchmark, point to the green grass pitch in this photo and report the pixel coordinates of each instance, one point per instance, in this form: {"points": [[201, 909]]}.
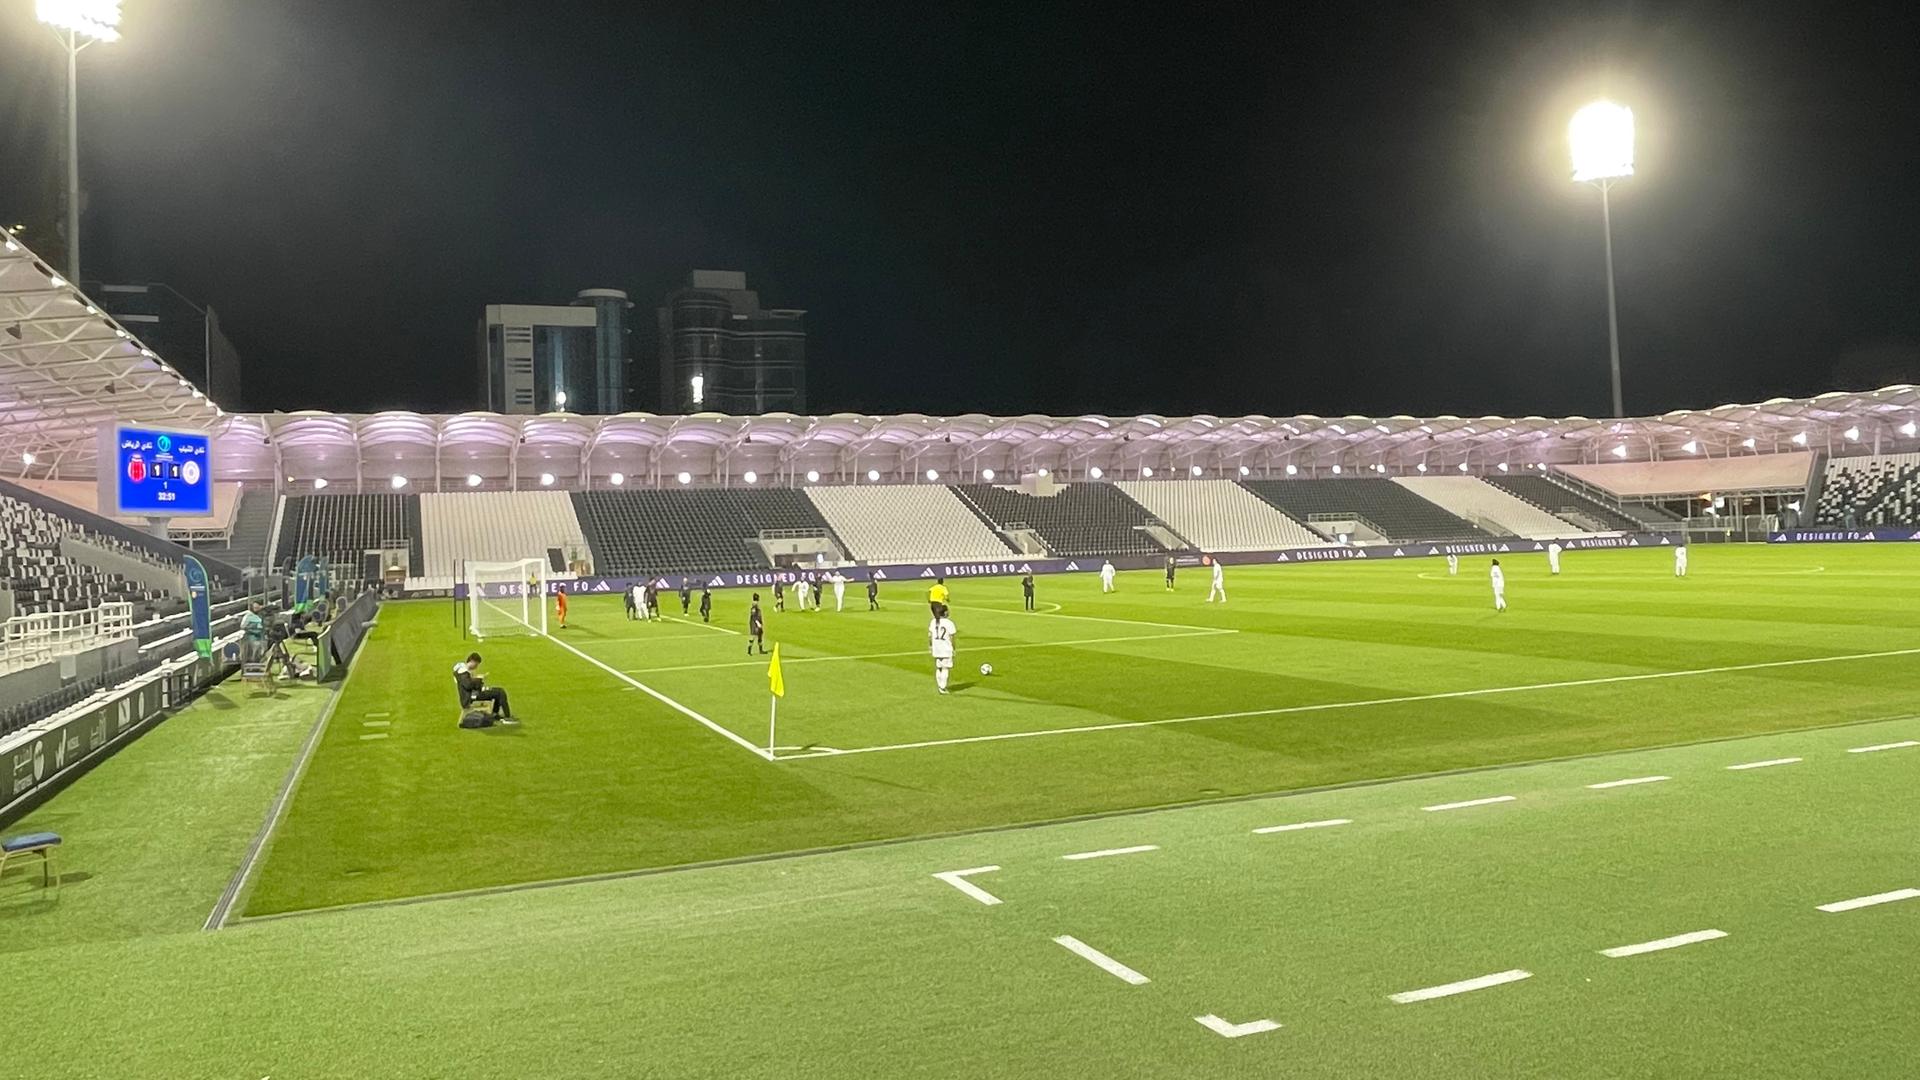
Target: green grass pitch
{"points": [[1764, 839]]}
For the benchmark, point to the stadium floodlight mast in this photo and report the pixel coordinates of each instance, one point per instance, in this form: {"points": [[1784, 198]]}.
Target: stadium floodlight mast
{"points": [[1601, 140], [78, 24]]}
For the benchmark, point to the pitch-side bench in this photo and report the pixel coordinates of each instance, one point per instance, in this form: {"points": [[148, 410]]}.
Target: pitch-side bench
{"points": [[41, 844]]}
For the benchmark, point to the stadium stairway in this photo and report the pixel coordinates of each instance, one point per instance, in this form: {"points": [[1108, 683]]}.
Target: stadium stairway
{"points": [[1564, 502], [1076, 520], [885, 523], [1401, 515], [1220, 515], [1490, 509]]}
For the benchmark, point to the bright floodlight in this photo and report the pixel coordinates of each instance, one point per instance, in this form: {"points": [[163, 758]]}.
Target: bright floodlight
{"points": [[1908, 429], [473, 479], [1146, 471], [1195, 471], [751, 477], [1096, 472], [987, 475], [546, 479], [397, 481], [1294, 469], [97, 19], [617, 479], [685, 477], [873, 476], [932, 475], [1601, 139], [319, 483], [813, 476]]}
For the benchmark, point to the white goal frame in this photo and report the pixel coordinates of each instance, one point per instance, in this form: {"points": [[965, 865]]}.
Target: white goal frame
{"points": [[518, 608]]}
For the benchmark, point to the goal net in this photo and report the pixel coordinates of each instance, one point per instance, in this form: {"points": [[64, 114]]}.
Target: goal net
{"points": [[506, 598]]}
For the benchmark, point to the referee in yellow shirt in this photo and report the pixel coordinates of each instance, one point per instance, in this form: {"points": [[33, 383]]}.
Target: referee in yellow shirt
{"points": [[937, 596]]}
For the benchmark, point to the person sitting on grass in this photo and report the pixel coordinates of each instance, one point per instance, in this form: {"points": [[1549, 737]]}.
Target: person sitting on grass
{"points": [[473, 690]]}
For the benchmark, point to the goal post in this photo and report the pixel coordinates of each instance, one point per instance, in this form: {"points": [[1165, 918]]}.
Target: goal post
{"points": [[506, 598]]}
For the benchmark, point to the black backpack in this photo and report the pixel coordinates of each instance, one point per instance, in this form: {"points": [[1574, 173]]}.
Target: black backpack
{"points": [[476, 718]]}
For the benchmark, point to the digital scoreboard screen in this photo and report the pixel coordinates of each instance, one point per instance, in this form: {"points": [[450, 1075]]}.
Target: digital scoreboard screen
{"points": [[153, 473]]}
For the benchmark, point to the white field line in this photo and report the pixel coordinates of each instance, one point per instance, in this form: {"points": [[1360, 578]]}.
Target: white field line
{"points": [[376, 723], [922, 652], [1104, 852], [702, 625], [1101, 960], [1329, 823], [1469, 802], [1406, 699], [958, 879], [1501, 978], [1230, 1030], [1767, 764], [1883, 746], [1629, 782], [1870, 901], [377, 735], [1673, 942], [663, 699]]}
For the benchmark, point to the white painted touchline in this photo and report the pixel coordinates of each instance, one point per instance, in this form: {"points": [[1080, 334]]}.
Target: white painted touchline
{"points": [[1101, 960], [1305, 825], [1408, 997], [958, 879], [1629, 782], [1768, 764], [1104, 852], [1368, 703], [1884, 746], [375, 735], [664, 700], [1673, 942], [1233, 1031], [1869, 901], [1469, 802]]}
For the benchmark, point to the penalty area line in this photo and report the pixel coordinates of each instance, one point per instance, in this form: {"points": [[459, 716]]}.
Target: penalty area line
{"points": [[1405, 699], [1408, 997], [958, 879], [664, 700], [1101, 960]]}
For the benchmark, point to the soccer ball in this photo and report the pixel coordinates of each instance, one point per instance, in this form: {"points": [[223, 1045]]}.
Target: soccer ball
{"points": [[986, 669]]}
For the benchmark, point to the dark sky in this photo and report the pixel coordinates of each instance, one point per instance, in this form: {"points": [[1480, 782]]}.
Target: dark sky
{"points": [[1053, 208]]}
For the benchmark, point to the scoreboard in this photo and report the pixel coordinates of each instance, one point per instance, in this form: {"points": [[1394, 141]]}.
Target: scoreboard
{"points": [[149, 472]]}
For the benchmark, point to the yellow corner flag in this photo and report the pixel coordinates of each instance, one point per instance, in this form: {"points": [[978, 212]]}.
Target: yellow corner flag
{"points": [[773, 673]]}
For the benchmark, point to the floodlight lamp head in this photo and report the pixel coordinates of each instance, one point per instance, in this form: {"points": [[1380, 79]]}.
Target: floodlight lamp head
{"points": [[96, 19], [1600, 138]]}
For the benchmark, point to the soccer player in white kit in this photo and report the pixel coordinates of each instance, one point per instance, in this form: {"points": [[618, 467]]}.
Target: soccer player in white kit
{"points": [[839, 590], [1553, 557], [940, 635], [1453, 565], [1499, 587], [1680, 559], [1219, 583], [1106, 576]]}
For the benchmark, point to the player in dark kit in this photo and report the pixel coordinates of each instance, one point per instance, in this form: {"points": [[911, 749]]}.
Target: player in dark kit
{"points": [[1169, 573], [756, 627], [779, 596], [706, 604], [873, 594], [1026, 590], [686, 595]]}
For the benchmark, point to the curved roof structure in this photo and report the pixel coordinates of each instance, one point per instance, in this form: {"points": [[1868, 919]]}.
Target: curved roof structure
{"points": [[66, 368]]}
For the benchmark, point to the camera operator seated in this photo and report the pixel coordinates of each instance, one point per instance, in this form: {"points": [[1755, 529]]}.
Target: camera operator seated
{"points": [[466, 675], [253, 636]]}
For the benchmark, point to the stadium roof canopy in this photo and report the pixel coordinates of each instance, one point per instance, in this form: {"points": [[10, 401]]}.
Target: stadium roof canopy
{"points": [[66, 368]]}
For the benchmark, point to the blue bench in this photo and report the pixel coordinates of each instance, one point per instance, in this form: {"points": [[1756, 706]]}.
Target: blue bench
{"points": [[41, 844]]}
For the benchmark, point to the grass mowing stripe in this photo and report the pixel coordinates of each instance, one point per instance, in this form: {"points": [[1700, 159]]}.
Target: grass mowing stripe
{"points": [[1101, 960], [1673, 942], [663, 699], [1371, 702], [1870, 901], [1501, 978]]}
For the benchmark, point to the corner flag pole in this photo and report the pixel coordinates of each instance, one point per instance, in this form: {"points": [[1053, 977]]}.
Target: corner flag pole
{"points": [[778, 685]]}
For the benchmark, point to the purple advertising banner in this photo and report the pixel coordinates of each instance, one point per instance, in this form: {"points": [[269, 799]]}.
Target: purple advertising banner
{"points": [[1895, 533], [1015, 567]]}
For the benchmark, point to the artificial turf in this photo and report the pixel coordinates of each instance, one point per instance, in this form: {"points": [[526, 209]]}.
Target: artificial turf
{"points": [[601, 778]]}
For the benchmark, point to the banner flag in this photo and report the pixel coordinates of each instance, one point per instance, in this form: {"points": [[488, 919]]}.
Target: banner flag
{"points": [[197, 602], [303, 580]]}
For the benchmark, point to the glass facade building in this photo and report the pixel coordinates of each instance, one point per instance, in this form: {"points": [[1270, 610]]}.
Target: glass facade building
{"points": [[720, 351], [540, 358]]}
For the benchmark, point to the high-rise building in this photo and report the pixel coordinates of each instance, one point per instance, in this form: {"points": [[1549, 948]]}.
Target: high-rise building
{"points": [[720, 351], [546, 358], [184, 334]]}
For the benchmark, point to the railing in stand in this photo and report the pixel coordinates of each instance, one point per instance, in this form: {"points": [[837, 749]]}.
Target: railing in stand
{"points": [[28, 640]]}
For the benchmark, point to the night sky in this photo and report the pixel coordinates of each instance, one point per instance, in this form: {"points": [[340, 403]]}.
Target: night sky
{"points": [[1047, 208]]}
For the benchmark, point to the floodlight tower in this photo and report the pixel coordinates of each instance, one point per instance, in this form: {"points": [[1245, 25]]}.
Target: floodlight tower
{"points": [[78, 24], [1601, 139]]}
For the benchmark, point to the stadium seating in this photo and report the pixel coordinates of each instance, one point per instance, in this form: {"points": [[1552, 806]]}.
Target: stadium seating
{"points": [[1219, 515], [906, 523], [1561, 501], [252, 533], [1487, 507], [1880, 489], [42, 578], [1397, 513], [666, 531], [341, 529], [496, 526], [1077, 519]]}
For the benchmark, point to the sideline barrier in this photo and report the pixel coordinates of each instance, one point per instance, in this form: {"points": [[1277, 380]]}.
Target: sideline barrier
{"points": [[1895, 533]]}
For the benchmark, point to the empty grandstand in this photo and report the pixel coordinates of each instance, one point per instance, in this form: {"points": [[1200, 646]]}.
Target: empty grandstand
{"points": [[665, 531], [342, 529], [1219, 515], [1358, 506], [1487, 507], [1879, 489], [496, 526], [248, 533], [1566, 503], [906, 523], [1071, 519]]}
